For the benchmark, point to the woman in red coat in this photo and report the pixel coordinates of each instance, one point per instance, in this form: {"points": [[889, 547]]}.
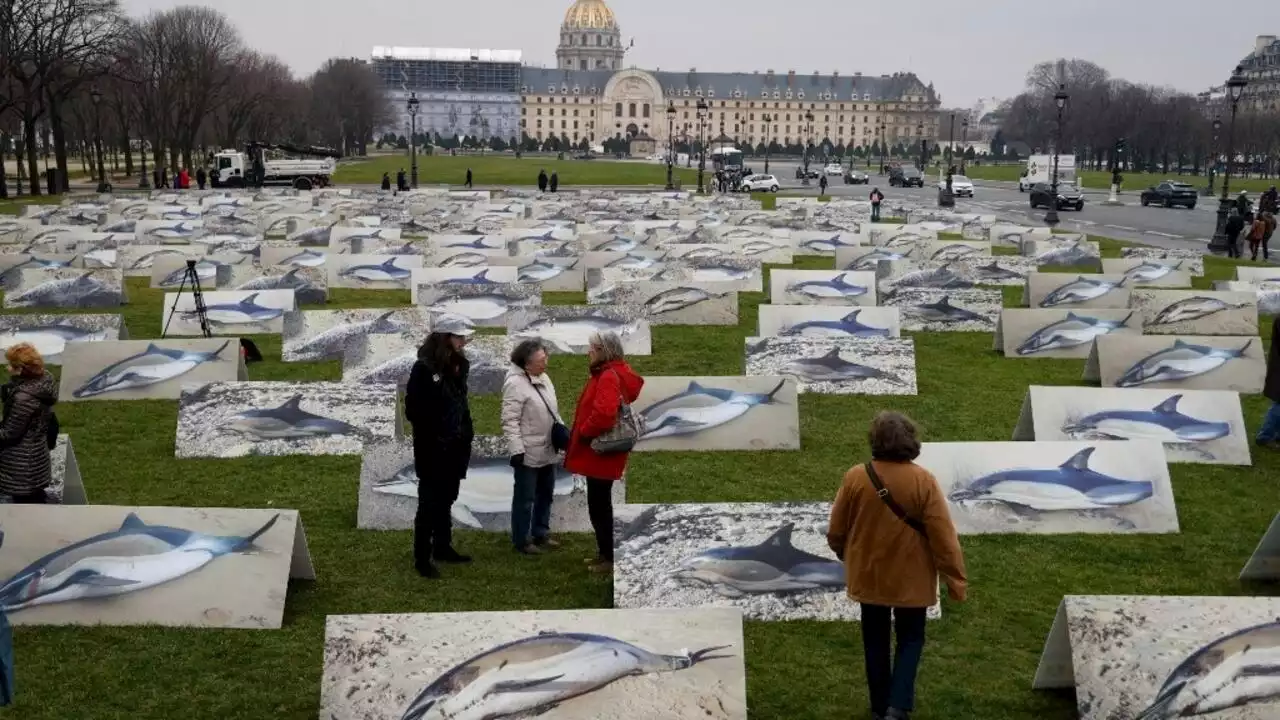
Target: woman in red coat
{"points": [[612, 382]]}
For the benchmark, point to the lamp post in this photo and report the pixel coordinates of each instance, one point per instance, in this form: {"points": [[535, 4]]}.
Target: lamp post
{"points": [[1213, 159], [1060, 100], [671, 143], [808, 142], [884, 150], [768, 120], [413, 145], [96, 97], [964, 142], [702, 146], [4, 156], [946, 195], [1235, 89], [924, 146]]}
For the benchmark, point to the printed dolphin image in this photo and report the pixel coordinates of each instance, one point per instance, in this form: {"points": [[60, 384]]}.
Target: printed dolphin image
{"points": [[206, 271], [135, 557], [849, 325], [1193, 308], [393, 371], [486, 490], [49, 340], [1149, 271], [153, 365], [180, 214], [244, 312], [62, 292], [476, 307], [1070, 255], [774, 566], [954, 251], [871, 261], [758, 247], [149, 259], [617, 243], [287, 422], [943, 311], [671, 416], [101, 258], [313, 237], [637, 262], [534, 675], [903, 240], [570, 334], [1073, 485], [1164, 422], [289, 280], [826, 245], [480, 278], [465, 260], [940, 278], [1072, 331], [994, 273], [479, 243], [1082, 289], [836, 287], [830, 367], [387, 271], [176, 230], [1183, 360], [678, 299], [1234, 671], [538, 271], [306, 258]]}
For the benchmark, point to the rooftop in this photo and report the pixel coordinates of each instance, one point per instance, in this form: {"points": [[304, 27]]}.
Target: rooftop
{"points": [[382, 52]]}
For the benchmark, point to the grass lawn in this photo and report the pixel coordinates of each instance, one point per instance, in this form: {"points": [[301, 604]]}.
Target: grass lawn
{"points": [[504, 169], [979, 662], [1133, 182]]}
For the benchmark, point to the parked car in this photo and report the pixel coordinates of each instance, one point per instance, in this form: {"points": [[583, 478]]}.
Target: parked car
{"points": [[961, 186], [759, 183], [1169, 194], [905, 176], [856, 177], [834, 169], [801, 173], [1069, 196]]}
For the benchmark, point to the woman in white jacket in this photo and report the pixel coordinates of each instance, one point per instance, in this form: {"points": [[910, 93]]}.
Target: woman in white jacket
{"points": [[529, 413]]}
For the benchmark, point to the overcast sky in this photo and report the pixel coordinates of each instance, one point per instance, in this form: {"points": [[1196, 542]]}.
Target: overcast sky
{"points": [[967, 49]]}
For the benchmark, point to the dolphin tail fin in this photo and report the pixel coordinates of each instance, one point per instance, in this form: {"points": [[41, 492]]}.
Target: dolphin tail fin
{"points": [[1126, 319], [1079, 461], [769, 397], [214, 355], [247, 542], [705, 654]]}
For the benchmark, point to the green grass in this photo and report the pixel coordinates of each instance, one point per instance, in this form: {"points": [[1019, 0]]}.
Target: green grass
{"points": [[1133, 181], [979, 662], [505, 169]]}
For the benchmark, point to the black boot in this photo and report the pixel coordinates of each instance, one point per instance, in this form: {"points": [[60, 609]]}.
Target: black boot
{"points": [[896, 714], [428, 571], [449, 555]]}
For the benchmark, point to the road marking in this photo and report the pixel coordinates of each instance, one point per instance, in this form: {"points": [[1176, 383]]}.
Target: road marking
{"points": [[1153, 232], [1121, 227]]}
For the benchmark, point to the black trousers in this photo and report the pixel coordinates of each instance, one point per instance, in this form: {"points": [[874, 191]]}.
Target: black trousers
{"points": [[433, 523], [35, 497], [600, 510], [892, 685], [1233, 244]]}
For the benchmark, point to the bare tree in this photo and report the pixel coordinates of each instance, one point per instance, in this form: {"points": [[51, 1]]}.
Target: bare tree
{"points": [[347, 105]]}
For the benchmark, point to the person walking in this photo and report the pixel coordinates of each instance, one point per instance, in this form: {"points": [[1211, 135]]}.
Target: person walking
{"points": [[184, 179], [891, 528], [1242, 203], [822, 185], [1257, 229], [1270, 201], [401, 184], [535, 437], [555, 181], [542, 181], [877, 197], [468, 177], [1233, 228], [27, 426], [156, 181], [201, 177], [164, 179], [386, 182], [1269, 229], [611, 383], [1269, 434], [436, 406]]}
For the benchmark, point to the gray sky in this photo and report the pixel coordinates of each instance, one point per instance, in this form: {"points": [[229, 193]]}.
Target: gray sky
{"points": [[968, 50]]}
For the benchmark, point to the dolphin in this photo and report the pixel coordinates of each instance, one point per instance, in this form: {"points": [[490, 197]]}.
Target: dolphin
{"points": [[1069, 486], [836, 287], [206, 271], [148, 259], [102, 258], [1234, 671], [387, 271], [1070, 255], [477, 244], [871, 260], [120, 226], [1193, 308], [826, 245], [943, 311], [486, 490], [775, 566], [759, 247], [480, 278], [49, 340], [244, 312], [941, 277], [954, 251], [678, 299], [685, 420], [153, 365], [465, 260], [617, 243], [992, 272], [179, 214], [533, 675], [1080, 290], [289, 280], [706, 252], [1072, 331], [1183, 360], [306, 258], [335, 340], [833, 368], [487, 306], [902, 240], [570, 334], [539, 271], [720, 273], [1164, 422], [1149, 271], [849, 325], [177, 230], [287, 422], [61, 292], [638, 262], [313, 237], [134, 557]]}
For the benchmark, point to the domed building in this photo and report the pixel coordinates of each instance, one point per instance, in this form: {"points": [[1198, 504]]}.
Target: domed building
{"points": [[589, 38]]}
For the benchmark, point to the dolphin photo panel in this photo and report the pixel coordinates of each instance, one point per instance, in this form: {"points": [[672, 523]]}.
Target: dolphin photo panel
{"points": [[226, 420], [819, 321], [140, 260], [108, 565], [1150, 272], [623, 665], [718, 413], [551, 274], [822, 287], [1070, 290], [1191, 362], [61, 287], [483, 305], [310, 285], [898, 275], [946, 251], [900, 236], [567, 328], [329, 334], [675, 303], [251, 312], [372, 272], [169, 272], [291, 255], [1054, 487], [1175, 657], [1054, 252], [1264, 564], [1196, 312], [822, 243], [146, 369], [928, 310], [66, 486], [51, 334], [479, 275], [13, 263], [837, 365], [1193, 259], [1057, 333], [389, 358], [769, 560], [388, 496]]}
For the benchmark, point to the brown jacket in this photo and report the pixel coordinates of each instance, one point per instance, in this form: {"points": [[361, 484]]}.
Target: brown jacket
{"points": [[886, 561]]}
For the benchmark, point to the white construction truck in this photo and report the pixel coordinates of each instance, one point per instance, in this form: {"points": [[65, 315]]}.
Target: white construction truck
{"points": [[251, 168], [1040, 170]]}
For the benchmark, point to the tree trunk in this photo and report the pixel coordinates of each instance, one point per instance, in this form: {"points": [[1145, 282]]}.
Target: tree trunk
{"points": [[33, 156], [128, 153], [59, 143]]}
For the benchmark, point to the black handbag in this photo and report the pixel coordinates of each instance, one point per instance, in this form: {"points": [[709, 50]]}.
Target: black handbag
{"points": [[559, 433], [883, 492]]}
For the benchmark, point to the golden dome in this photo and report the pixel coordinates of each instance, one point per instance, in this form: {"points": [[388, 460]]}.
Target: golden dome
{"points": [[590, 15]]}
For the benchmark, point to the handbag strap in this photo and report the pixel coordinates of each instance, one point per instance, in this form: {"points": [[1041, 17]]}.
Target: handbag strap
{"points": [[538, 390], [883, 492]]}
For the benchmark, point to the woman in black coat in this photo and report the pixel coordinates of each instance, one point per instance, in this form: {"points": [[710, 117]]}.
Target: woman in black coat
{"points": [[28, 399], [436, 405], [1269, 433]]}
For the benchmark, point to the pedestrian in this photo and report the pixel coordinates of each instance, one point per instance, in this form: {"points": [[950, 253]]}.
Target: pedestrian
{"points": [[555, 181], [1257, 229], [401, 185], [386, 181], [201, 177], [611, 383], [436, 406], [1269, 434], [1235, 225], [891, 528], [1268, 230], [27, 426], [535, 436], [156, 181], [822, 185], [468, 177], [184, 179], [542, 181], [877, 197], [1242, 203], [1270, 201], [177, 179], [164, 179]]}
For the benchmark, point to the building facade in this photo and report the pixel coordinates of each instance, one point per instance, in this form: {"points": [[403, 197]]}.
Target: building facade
{"points": [[460, 91], [1262, 70]]}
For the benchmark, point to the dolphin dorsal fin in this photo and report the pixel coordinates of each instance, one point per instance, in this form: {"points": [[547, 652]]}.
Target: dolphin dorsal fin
{"points": [[391, 262], [841, 279], [250, 300], [482, 275], [293, 403], [1169, 406], [852, 317], [694, 386], [1179, 344], [1072, 316], [833, 353], [781, 537], [1079, 461], [132, 522]]}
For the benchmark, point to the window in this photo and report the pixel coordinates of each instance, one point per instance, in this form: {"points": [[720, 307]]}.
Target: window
{"points": [[539, 123], [575, 126], [584, 39], [575, 112], [562, 124], [646, 109], [539, 111], [582, 64], [563, 112], [686, 114], [617, 109], [631, 109], [524, 111], [524, 123]]}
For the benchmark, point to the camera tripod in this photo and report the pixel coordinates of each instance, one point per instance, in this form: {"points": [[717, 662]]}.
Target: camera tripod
{"points": [[193, 278]]}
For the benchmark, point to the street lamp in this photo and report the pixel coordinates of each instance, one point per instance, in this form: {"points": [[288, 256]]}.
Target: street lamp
{"points": [[946, 196], [808, 143], [1213, 159], [702, 146], [1235, 89], [1059, 99], [413, 145], [671, 143], [964, 143], [768, 120], [96, 97], [924, 146], [884, 148]]}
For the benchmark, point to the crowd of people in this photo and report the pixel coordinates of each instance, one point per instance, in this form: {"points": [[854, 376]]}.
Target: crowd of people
{"points": [[1257, 228]]}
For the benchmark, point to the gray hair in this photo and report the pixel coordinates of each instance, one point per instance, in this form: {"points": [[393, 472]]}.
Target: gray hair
{"points": [[525, 351], [608, 344]]}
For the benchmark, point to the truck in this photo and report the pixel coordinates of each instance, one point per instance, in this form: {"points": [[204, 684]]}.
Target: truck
{"points": [[1040, 170], [252, 167]]}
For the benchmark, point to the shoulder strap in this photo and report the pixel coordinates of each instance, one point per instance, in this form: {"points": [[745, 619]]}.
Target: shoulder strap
{"points": [[883, 492], [543, 397]]}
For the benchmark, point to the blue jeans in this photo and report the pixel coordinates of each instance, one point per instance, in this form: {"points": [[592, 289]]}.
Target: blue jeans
{"points": [[892, 686], [1270, 430], [531, 504]]}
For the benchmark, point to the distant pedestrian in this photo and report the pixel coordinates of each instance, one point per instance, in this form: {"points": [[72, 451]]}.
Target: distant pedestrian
{"points": [[1269, 433], [555, 180], [1257, 231], [201, 178], [822, 185], [1269, 229], [156, 181], [1270, 201], [1235, 225], [542, 181], [401, 185], [164, 179], [468, 177], [184, 179], [877, 197], [28, 399], [177, 179], [1242, 203], [386, 181], [891, 528]]}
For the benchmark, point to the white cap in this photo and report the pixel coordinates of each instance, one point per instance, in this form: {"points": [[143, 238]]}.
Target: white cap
{"points": [[453, 325]]}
